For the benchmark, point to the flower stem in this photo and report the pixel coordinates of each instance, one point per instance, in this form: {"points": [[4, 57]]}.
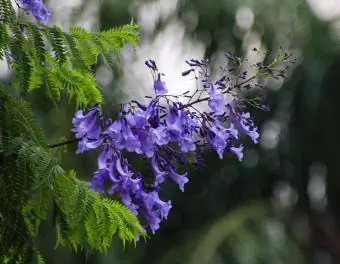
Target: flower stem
{"points": [[207, 98], [72, 140], [62, 143]]}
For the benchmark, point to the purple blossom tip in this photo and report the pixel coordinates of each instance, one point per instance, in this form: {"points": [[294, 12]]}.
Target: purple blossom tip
{"points": [[185, 73], [238, 151], [181, 180], [151, 64], [88, 129], [38, 10], [159, 86]]}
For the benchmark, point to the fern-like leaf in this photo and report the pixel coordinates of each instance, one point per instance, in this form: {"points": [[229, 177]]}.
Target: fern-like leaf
{"points": [[7, 13], [96, 219]]}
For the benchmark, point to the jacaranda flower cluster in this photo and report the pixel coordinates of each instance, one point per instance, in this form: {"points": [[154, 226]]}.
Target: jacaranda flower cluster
{"points": [[164, 132], [38, 10]]}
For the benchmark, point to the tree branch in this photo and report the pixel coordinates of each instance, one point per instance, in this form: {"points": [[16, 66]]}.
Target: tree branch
{"points": [[68, 141]]}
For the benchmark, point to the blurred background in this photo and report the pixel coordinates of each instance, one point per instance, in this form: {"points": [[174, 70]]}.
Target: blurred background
{"points": [[281, 204]]}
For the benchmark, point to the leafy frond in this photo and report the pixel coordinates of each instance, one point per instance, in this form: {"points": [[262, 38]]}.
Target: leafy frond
{"points": [[19, 120], [32, 182], [7, 13], [80, 85], [44, 58], [106, 43], [26, 176], [4, 39], [58, 42], [85, 219]]}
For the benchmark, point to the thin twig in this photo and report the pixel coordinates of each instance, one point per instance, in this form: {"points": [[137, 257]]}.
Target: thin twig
{"points": [[68, 141]]}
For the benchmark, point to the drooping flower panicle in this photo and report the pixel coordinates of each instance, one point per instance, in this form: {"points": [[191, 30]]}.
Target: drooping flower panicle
{"points": [[38, 10], [165, 132]]}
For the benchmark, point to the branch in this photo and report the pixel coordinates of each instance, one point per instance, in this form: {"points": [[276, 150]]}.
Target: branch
{"points": [[68, 141], [207, 98]]}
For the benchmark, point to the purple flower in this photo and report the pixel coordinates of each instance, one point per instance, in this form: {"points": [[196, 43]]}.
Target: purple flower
{"points": [[130, 189], [123, 171], [187, 142], [102, 174], [248, 127], [84, 123], [86, 144], [216, 101], [88, 129], [238, 151], [162, 135], [217, 137], [187, 72], [122, 137], [174, 121], [197, 63], [97, 183], [245, 123], [265, 107], [232, 131], [189, 137], [181, 180], [129, 140], [151, 64], [147, 141], [153, 202], [115, 133], [161, 132], [153, 208], [159, 175], [179, 127], [152, 219], [221, 139], [159, 86], [38, 9]]}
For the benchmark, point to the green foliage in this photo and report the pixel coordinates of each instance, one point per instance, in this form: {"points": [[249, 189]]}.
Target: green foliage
{"points": [[7, 12], [83, 215], [53, 60], [33, 184]]}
